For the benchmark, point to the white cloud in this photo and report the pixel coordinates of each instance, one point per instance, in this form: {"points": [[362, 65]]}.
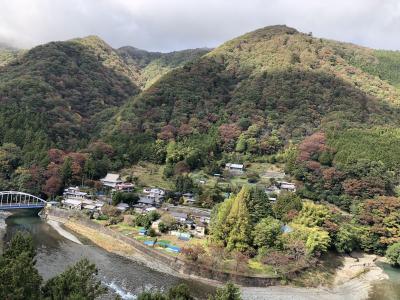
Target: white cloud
{"points": [[178, 24]]}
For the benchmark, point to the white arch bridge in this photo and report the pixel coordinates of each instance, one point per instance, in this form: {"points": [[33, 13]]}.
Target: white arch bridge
{"points": [[11, 200]]}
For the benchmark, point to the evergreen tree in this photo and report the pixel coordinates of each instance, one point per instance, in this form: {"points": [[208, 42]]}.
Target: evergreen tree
{"points": [[266, 232], [77, 282], [219, 228], [180, 292], [19, 279], [285, 203], [259, 205], [239, 222], [66, 171]]}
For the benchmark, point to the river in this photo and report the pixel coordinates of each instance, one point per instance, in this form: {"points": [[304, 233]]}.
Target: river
{"points": [[387, 289], [122, 276]]}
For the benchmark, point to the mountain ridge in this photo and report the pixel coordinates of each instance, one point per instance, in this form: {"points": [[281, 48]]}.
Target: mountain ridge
{"points": [[288, 83], [251, 66]]}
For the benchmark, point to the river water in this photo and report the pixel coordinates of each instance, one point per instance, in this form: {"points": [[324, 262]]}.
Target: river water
{"points": [[387, 289], [122, 276]]}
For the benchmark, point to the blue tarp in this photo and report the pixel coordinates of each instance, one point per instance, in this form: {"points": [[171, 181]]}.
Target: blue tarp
{"points": [[174, 248], [286, 229], [167, 246], [162, 244], [149, 243]]}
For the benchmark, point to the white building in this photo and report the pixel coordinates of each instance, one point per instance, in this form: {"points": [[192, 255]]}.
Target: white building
{"points": [[180, 217], [74, 193], [238, 168], [122, 207], [273, 189], [287, 186], [72, 204], [156, 194], [111, 180], [124, 187]]}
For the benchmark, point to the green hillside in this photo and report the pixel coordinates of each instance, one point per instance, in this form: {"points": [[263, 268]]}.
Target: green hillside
{"points": [[62, 93], [247, 100], [8, 54], [381, 63], [254, 96], [58, 93], [281, 79], [153, 65]]}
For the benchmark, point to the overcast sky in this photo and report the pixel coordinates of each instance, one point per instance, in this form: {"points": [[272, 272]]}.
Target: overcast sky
{"points": [[167, 25]]}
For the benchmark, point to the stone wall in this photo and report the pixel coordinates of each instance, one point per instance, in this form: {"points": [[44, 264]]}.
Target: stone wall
{"points": [[175, 263]]}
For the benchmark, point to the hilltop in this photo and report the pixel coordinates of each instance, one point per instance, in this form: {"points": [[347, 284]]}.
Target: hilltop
{"points": [[60, 94], [277, 77], [259, 96], [56, 94]]}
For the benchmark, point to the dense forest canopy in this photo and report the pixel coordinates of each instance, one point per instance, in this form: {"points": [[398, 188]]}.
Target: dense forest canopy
{"points": [[73, 110]]}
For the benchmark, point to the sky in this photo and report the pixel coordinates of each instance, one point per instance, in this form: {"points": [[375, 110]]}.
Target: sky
{"points": [[167, 25]]}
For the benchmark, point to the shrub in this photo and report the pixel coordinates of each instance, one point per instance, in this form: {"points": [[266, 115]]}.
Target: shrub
{"points": [[193, 252], [151, 232], [228, 292], [393, 254], [110, 210], [116, 220], [143, 220], [154, 215], [102, 217], [162, 227]]}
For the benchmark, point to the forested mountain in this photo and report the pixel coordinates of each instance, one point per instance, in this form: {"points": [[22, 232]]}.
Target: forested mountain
{"points": [[60, 94], [57, 94], [259, 93], [277, 77], [254, 96], [153, 65]]}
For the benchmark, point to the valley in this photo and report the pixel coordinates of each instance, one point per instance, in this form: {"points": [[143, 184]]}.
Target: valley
{"points": [[273, 155]]}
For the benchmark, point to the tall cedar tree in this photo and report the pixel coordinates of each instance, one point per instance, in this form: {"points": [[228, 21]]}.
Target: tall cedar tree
{"points": [[239, 221]]}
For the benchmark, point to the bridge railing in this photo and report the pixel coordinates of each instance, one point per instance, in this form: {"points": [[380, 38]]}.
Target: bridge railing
{"points": [[14, 199]]}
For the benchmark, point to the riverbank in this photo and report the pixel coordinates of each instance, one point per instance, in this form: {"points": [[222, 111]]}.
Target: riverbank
{"points": [[63, 232], [111, 244], [353, 280], [119, 247]]}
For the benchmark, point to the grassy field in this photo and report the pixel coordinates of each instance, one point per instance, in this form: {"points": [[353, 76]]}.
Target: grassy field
{"points": [[148, 174], [238, 180]]}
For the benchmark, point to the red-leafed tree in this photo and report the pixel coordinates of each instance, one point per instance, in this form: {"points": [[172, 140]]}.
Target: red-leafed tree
{"points": [[312, 146], [56, 155], [168, 132], [229, 132], [52, 186], [185, 130]]}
